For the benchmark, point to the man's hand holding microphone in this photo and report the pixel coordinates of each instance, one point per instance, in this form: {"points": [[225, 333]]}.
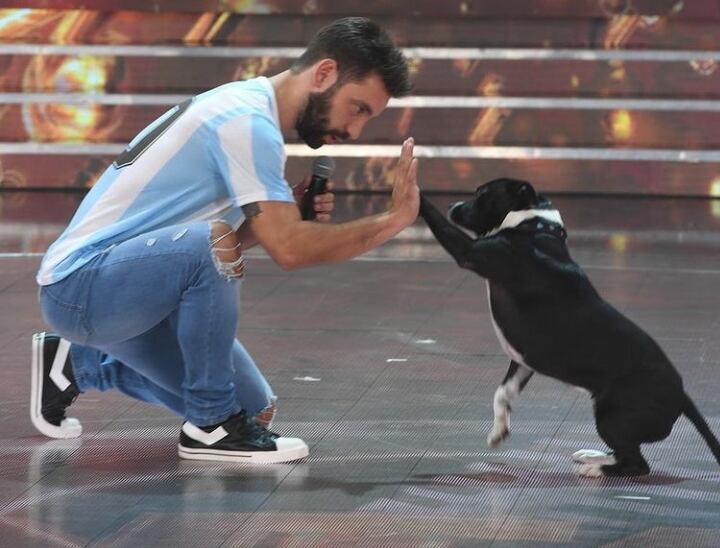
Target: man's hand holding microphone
{"points": [[314, 195], [316, 201]]}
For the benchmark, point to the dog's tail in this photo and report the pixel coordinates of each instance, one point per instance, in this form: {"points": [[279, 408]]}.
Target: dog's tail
{"points": [[692, 413]]}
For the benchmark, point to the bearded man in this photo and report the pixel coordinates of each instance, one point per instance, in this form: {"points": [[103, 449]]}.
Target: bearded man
{"points": [[142, 288]]}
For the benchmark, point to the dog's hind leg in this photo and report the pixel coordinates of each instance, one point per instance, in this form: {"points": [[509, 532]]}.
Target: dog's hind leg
{"points": [[515, 380], [629, 461], [623, 431]]}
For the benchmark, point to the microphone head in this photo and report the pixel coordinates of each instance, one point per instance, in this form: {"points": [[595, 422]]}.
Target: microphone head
{"points": [[323, 166]]}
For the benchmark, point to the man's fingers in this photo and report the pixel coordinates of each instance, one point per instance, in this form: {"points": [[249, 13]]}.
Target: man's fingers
{"points": [[412, 172], [324, 203], [406, 157], [407, 151], [326, 207]]}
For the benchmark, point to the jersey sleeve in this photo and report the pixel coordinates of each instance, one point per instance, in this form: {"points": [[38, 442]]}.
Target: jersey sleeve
{"points": [[251, 157]]}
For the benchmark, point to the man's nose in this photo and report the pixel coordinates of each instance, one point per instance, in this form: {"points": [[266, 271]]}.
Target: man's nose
{"points": [[354, 130]]}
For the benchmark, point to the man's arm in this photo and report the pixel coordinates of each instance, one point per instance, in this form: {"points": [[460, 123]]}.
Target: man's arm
{"points": [[245, 236], [294, 243], [324, 205]]}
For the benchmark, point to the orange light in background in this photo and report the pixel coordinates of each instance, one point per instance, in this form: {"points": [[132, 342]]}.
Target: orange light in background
{"points": [[405, 121], [252, 68], [715, 187], [462, 168], [491, 85], [414, 66], [619, 242], [465, 67], [69, 122], [489, 121], [704, 67], [715, 193], [10, 17], [84, 73], [62, 122], [26, 24], [621, 125], [620, 29], [251, 6], [617, 70]]}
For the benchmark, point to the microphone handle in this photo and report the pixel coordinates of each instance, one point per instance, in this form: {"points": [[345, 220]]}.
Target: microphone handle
{"points": [[316, 186]]}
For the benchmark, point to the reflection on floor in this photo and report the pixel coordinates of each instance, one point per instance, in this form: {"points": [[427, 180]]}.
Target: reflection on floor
{"points": [[386, 367]]}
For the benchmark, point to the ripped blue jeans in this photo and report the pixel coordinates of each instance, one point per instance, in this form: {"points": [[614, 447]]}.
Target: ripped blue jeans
{"points": [[155, 318]]}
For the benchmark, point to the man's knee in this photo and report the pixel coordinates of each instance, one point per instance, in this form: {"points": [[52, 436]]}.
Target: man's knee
{"points": [[226, 250]]}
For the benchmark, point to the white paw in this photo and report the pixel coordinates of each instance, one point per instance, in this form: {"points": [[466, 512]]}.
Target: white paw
{"points": [[498, 435], [589, 470], [591, 456]]}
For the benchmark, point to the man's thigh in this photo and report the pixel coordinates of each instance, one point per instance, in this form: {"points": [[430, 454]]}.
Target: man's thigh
{"points": [[129, 288], [141, 281]]}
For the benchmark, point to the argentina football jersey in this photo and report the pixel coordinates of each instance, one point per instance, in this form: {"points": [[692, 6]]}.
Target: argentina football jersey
{"points": [[201, 160]]}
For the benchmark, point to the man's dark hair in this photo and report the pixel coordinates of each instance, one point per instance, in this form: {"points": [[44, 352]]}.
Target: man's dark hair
{"points": [[359, 46]]}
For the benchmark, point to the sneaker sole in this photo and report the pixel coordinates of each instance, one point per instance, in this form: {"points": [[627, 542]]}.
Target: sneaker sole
{"points": [[70, 427], [244, 457]]}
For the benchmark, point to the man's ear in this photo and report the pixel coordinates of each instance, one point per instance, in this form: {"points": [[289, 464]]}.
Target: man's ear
{"points": [[324, 74]]}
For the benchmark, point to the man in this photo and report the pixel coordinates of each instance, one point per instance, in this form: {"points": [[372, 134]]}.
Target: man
{"points": [[143, 284]]}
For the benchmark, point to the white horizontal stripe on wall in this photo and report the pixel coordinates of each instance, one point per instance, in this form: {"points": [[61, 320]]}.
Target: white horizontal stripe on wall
{"points": [[510, 54], [421, 151], [565, 103]]}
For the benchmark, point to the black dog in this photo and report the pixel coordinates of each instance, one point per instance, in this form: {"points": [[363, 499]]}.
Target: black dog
{"points": [[550, 319]]}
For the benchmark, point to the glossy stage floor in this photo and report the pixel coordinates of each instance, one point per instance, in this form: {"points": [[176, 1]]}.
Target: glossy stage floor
{"points": [[386, 366]]}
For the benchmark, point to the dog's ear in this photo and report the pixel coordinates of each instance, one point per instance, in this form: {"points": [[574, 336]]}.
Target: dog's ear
{"points": [[543, 200], [526, 194]]}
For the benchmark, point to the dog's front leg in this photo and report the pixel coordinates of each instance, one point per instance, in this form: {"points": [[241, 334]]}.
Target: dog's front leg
{"points": [[455, 241], [515, 380]]}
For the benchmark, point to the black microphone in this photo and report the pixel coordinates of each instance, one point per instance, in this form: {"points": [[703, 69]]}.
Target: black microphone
{"points": [[322, 169]]}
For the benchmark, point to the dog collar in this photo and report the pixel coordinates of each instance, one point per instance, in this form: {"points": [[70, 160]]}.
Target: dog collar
{"points": [[515, 218]]}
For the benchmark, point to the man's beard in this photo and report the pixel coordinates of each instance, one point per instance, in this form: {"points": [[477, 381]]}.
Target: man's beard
{"points": [[313, 124]]}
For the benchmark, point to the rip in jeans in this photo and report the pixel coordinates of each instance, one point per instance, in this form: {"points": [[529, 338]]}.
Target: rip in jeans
{"points": [[228, 261]]}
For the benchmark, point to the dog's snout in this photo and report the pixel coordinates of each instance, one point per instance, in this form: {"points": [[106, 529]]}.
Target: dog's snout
{"points": [[453, 208]]}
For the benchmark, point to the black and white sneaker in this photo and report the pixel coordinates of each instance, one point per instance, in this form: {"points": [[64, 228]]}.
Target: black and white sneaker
{"points": [[238, 439], [53, 387]]}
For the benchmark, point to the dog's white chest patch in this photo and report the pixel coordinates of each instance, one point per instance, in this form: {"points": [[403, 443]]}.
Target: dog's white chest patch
{"points": [[506, 346]]}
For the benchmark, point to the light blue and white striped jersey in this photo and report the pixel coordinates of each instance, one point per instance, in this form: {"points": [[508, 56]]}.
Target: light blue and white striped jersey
{"points": [[201, 160]]}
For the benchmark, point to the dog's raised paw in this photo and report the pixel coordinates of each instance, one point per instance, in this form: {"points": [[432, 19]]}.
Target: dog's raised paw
{"points": [[591, 456], [589, 470]]}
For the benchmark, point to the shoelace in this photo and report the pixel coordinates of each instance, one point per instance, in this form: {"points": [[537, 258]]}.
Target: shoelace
{"points": [[55, 413], [247, 426]]}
